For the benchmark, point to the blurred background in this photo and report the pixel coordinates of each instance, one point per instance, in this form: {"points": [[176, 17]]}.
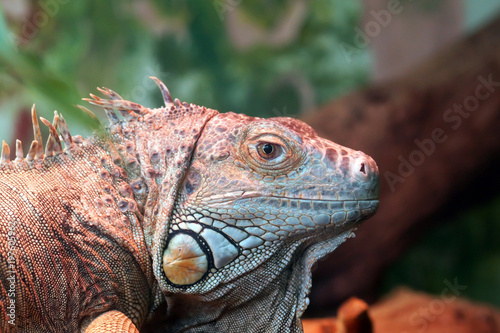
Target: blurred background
{"points": [[293, 58]]}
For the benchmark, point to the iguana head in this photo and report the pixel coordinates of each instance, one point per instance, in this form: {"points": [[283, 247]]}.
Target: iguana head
{"points": [[239, 213]]}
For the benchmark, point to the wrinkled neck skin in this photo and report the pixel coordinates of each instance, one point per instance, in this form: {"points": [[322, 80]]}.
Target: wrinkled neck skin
{"points": [[155, 150], [271, 298]]}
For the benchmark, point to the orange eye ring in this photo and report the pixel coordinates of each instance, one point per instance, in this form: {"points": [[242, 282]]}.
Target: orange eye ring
{"points": [[268, 150]]}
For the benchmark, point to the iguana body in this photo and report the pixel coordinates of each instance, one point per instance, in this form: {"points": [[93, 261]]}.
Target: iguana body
{"points": [[182, 219]]}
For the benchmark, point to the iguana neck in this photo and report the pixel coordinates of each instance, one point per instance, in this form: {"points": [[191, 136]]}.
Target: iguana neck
{"points": [[155, 150]]}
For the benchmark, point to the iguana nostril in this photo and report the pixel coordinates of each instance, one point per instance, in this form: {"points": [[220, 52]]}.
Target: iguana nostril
{"points": [[362, 169]]}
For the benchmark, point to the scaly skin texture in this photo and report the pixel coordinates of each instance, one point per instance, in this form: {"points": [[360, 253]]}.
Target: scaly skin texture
{"points": [[181, 219]]}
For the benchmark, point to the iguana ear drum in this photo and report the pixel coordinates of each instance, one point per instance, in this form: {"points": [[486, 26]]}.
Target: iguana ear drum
{"points": [[184, 261]]}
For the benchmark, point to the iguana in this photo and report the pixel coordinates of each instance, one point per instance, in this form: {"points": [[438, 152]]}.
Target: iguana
{"points": [[181, 219]]}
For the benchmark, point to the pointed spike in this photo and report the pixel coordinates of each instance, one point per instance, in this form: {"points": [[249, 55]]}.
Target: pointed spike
{"points": [[32, 152], [91, 101], [37, 134], [110, 93], [53, 146], [97, 98], [129, 113], [55, 122], [177, 102], [49, 149], [19, 151], [64, 129], [164, 90], [87, 111], [5, 158], [128, 109]]}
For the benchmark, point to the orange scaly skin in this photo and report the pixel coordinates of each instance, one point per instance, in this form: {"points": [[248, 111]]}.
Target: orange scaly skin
{"points": [[181, 219]]}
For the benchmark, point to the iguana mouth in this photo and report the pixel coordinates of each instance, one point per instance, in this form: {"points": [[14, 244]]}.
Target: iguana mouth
{"points": [[325, 196], [366, 206]]}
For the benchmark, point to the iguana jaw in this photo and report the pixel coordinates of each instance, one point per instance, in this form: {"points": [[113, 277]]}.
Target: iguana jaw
{"points": [[271, 298], [288, 277], [226, 231]]}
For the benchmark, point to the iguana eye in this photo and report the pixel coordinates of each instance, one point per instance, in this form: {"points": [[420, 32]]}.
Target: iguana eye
{"points": [[268, 150]]}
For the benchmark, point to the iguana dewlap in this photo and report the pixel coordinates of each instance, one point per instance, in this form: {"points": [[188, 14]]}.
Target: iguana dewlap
{"points": [[181, 219]]}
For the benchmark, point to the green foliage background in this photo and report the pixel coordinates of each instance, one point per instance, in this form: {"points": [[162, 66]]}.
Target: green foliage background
{"points": [[102, 43]]}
